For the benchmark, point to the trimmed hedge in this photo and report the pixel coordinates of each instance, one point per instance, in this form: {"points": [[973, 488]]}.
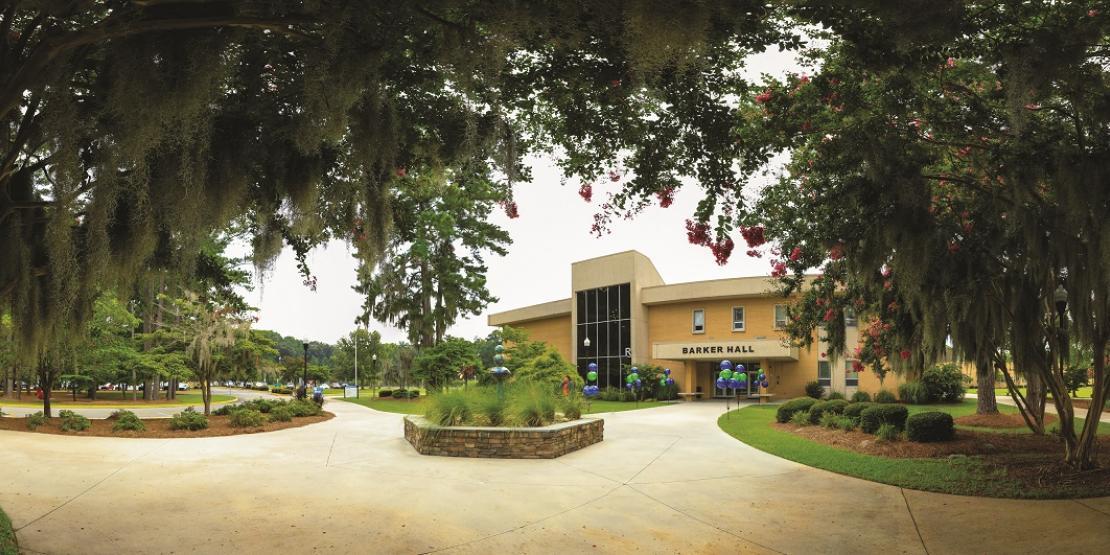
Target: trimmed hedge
{"points": [[930, 426], [853, 410], [884, 396], [787, 409], [385, 393], [873, 417], [834, 406], [861, 397]]}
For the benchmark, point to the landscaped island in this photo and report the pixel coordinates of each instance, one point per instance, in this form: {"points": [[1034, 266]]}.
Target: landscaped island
{"points": [[524, 421]]}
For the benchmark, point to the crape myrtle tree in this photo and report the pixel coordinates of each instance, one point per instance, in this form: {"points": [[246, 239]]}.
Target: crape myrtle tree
{"points": [[134, 129], [950, 159], [434, 270]]}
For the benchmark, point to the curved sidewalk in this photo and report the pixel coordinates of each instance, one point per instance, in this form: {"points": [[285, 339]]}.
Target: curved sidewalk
{"points": [[664, 480]]}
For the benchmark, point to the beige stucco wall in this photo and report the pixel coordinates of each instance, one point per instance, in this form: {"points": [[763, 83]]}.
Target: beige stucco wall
{"points": [[553, 331]]}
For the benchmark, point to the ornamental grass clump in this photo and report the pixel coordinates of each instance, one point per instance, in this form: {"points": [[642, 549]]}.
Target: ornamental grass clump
{"points": [[531, 405], [451, 408], [489, 409], [887, 432], [572, 407]]}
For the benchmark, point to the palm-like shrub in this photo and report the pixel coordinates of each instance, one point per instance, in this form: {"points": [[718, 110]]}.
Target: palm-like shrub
{"points": [[531, 405]]}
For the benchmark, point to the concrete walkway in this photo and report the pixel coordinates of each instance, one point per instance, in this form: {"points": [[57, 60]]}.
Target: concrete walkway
{"points": [[665, 480], [1049, 407]]}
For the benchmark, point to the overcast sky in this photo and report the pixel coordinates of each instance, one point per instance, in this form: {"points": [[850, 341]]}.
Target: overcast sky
{"points": [[553, 231]]}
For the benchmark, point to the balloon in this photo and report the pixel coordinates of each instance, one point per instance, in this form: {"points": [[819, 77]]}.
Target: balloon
{"points": [[670, 381], [721, 383], [726, 365], [629, 386], [591, 375], [762, 376], [743, 377], [726, 374], [742, 385], [638, 383], [634, 370], [764, 384], [592, 366], [667, 371], [741, 368], [733, 384], [662, 382]]}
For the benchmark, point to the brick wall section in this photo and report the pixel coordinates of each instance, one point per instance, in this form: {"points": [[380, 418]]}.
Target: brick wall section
{"points": [[547, 442]]}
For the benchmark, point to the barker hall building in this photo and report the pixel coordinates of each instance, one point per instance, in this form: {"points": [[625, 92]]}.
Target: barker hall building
{"points": [[620, 313]]}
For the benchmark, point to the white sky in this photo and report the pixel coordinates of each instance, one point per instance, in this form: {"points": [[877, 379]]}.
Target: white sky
{"points": [[553, 231]]}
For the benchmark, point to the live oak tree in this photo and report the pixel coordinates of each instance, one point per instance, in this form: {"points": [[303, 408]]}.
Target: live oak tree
{"points": [[131, 130], [434, 269]]}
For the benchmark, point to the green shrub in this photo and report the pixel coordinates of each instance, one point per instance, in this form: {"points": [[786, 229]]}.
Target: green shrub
{"points": [[490, 409], [246, 418], [930, 426], [385, 393], [127, 421], [281, 391], [871, 418], [817, 411], [666, 392], [611, 394], [281, 413], [73, 422], [853, 410], [786, 410], [262, 405], [861, 397], [800, 418], [887, 432], [225, 410], [450, 408], [846, 423], [830, 419], [884, 396], [944, 383], [35, 420], [834, 395], [188, 419], [572, 407], [814, 390], [304, 408], [1076, 377], [914, 393]]}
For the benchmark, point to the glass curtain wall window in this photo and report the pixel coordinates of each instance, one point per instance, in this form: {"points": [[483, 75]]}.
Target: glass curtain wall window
{"points": [[605, 316], [737, 318]]}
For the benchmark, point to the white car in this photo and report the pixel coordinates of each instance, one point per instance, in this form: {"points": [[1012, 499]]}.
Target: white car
{"points": [[182, 386]]}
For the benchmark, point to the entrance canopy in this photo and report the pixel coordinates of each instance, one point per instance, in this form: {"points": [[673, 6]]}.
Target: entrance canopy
{"points": [[766, 349]]}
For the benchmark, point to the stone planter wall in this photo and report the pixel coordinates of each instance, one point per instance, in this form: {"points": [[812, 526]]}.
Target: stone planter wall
{"points": [[547, 442]]}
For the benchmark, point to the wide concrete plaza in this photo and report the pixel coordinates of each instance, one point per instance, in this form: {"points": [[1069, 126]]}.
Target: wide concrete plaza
{"points": [[665, 480]]}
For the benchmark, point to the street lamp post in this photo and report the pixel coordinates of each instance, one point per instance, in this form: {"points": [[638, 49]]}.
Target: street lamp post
{"points": [[304, 377], [373, 369], [357, 386], [1061, 298]]}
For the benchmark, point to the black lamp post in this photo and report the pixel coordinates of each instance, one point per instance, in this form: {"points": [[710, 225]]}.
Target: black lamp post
{"points": [[304, 378], [1061, 298]]}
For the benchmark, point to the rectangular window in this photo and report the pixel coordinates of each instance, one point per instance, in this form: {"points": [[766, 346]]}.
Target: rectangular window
{"points": [[849, 317], [737, 318], [851, 376], [780, 316], [824, 373], [699, 321]]}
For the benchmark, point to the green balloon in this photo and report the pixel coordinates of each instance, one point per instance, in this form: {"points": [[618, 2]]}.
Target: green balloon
{"points": [[742, 377], [726, 374], [662, 381], [591, 375], [633, 376]]}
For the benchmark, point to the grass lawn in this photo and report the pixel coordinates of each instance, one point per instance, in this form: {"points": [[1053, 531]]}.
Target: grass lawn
{"points": [[1081, 393], [963, 475], [110, 400], [7, 536], [416, 406]]}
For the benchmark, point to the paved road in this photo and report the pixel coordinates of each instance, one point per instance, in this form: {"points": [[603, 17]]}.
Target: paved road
{"points": [[148, 412], [664, 480]]}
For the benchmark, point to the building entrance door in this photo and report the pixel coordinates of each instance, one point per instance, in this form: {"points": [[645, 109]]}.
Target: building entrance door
{"points": [[750, 368]]}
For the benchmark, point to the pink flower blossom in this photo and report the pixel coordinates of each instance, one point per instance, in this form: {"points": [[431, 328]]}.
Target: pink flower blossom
{"points": [[586, 191]]}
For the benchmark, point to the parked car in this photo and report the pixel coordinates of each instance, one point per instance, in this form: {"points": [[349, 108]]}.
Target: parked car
{"points": [[182, 386]]}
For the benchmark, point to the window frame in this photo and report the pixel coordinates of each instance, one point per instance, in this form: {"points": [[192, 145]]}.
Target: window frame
{"points": [[693, 321], [775, 317], [827, 381], [848, 380], [850, 319], [743, 319]]}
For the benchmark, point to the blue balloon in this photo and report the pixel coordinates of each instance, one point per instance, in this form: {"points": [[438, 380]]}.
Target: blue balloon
{"points": [[764, 384], [726, 365], [762, 376], [666, 371], [741, 368], [721, 384], [592, 366], [670, 381], [638, 383]]}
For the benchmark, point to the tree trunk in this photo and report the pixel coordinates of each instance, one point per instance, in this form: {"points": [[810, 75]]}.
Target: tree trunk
{"points": [[1086, 450], [92, 392], [46, 381], [984, 377], [206, 395]]}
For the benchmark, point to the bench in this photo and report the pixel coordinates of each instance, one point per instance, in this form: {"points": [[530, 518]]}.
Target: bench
{"points": [[690, 396], [763, 397]]}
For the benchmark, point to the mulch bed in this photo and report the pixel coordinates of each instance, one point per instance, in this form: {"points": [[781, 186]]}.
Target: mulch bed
{"points": [[1012, 421], [1035, 461], [160, 427]]}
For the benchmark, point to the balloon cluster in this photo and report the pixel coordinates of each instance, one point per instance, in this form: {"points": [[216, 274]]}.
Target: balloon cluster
{"points": [[591, 389], [632, 380], [666, 379], [738, 379]]}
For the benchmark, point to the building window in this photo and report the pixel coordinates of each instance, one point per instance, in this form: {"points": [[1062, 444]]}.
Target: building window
{"points": [[780, 316], [699, 320], [604, 316], [849, 317], [824, 373], [851, 376], [737, 318]]}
